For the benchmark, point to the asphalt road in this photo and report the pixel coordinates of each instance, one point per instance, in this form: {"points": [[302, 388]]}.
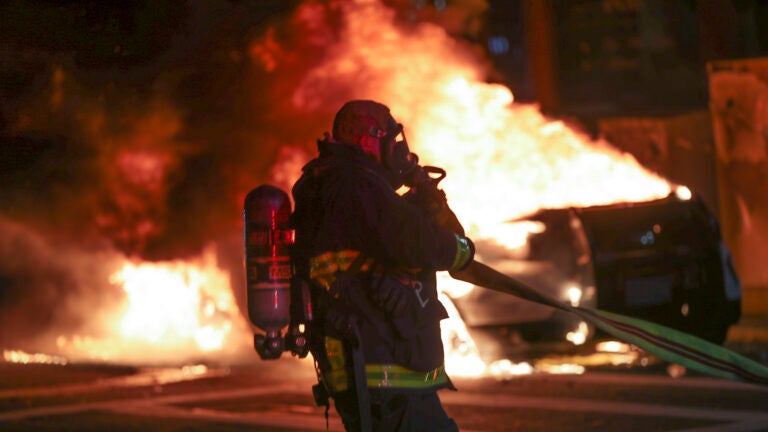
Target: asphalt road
{"points": [[276, 396]]}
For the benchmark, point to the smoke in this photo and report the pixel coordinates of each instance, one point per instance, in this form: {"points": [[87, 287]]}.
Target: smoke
{"points": [[49, 286], [136, 132], [133, 159]]}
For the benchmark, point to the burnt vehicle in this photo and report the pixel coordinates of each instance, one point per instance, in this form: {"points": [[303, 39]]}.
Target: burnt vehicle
{"points": [[663, 261]]}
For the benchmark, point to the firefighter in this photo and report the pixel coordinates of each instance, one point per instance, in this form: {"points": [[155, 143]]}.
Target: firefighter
{"points": [[371, 255]]}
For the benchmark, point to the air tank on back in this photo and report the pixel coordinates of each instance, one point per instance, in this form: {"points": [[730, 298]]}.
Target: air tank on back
{"points": [[268, 241]]}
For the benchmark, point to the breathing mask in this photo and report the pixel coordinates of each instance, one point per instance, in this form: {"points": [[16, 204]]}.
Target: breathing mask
{"points": [[396, 156]]}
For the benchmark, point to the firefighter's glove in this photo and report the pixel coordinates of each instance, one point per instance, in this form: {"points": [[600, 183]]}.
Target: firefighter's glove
{"points": [[395, 299], [427, 196], [435, 204], [390, 295]]}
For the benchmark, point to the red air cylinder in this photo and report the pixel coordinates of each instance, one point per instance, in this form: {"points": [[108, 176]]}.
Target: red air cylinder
{"points": [[268, 240]]}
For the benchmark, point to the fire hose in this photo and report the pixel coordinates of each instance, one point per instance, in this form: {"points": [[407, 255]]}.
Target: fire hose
{"points": [[666, 343]]}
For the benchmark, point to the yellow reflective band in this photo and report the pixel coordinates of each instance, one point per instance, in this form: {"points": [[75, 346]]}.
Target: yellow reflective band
{"points": [[336, 379], [463, 253], [400, 377], [323, 268], [331, 262]]}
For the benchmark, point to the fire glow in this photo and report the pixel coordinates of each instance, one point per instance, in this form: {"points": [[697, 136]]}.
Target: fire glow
{"points": [[171, 311], [503, 159], [179, 301]]}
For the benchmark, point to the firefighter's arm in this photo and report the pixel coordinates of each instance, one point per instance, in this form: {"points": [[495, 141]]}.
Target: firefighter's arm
{"points": [[435, 203], [465, 248], [405, 238], [446, 218], [415, 239]]}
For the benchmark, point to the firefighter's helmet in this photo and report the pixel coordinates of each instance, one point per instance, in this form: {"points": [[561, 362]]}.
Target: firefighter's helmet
{"points": [[359, 119]]}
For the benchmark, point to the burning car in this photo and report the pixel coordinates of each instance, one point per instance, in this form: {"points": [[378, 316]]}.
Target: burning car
{"points": [[661, 260]]}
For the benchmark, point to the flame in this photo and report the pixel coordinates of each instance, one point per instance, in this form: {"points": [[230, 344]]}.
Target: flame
{"points": [[19, 356], [171, 311], [504, 159], [579, 335], [513, 161], [606, 353], [461, 357], [168, 302]]}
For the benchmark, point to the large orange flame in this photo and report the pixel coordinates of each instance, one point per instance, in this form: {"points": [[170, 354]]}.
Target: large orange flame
{"points": [[503, 159]]}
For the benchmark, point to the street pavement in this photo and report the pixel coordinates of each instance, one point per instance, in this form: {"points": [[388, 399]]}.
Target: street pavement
{"points": [[276, 396]]}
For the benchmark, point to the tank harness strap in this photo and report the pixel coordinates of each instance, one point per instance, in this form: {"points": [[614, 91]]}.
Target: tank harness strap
{"points": [[361, 387], [324, 269]]}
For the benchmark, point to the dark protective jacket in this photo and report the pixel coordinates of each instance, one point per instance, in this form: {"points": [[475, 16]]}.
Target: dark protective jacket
{"points": [[344, 207]]}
